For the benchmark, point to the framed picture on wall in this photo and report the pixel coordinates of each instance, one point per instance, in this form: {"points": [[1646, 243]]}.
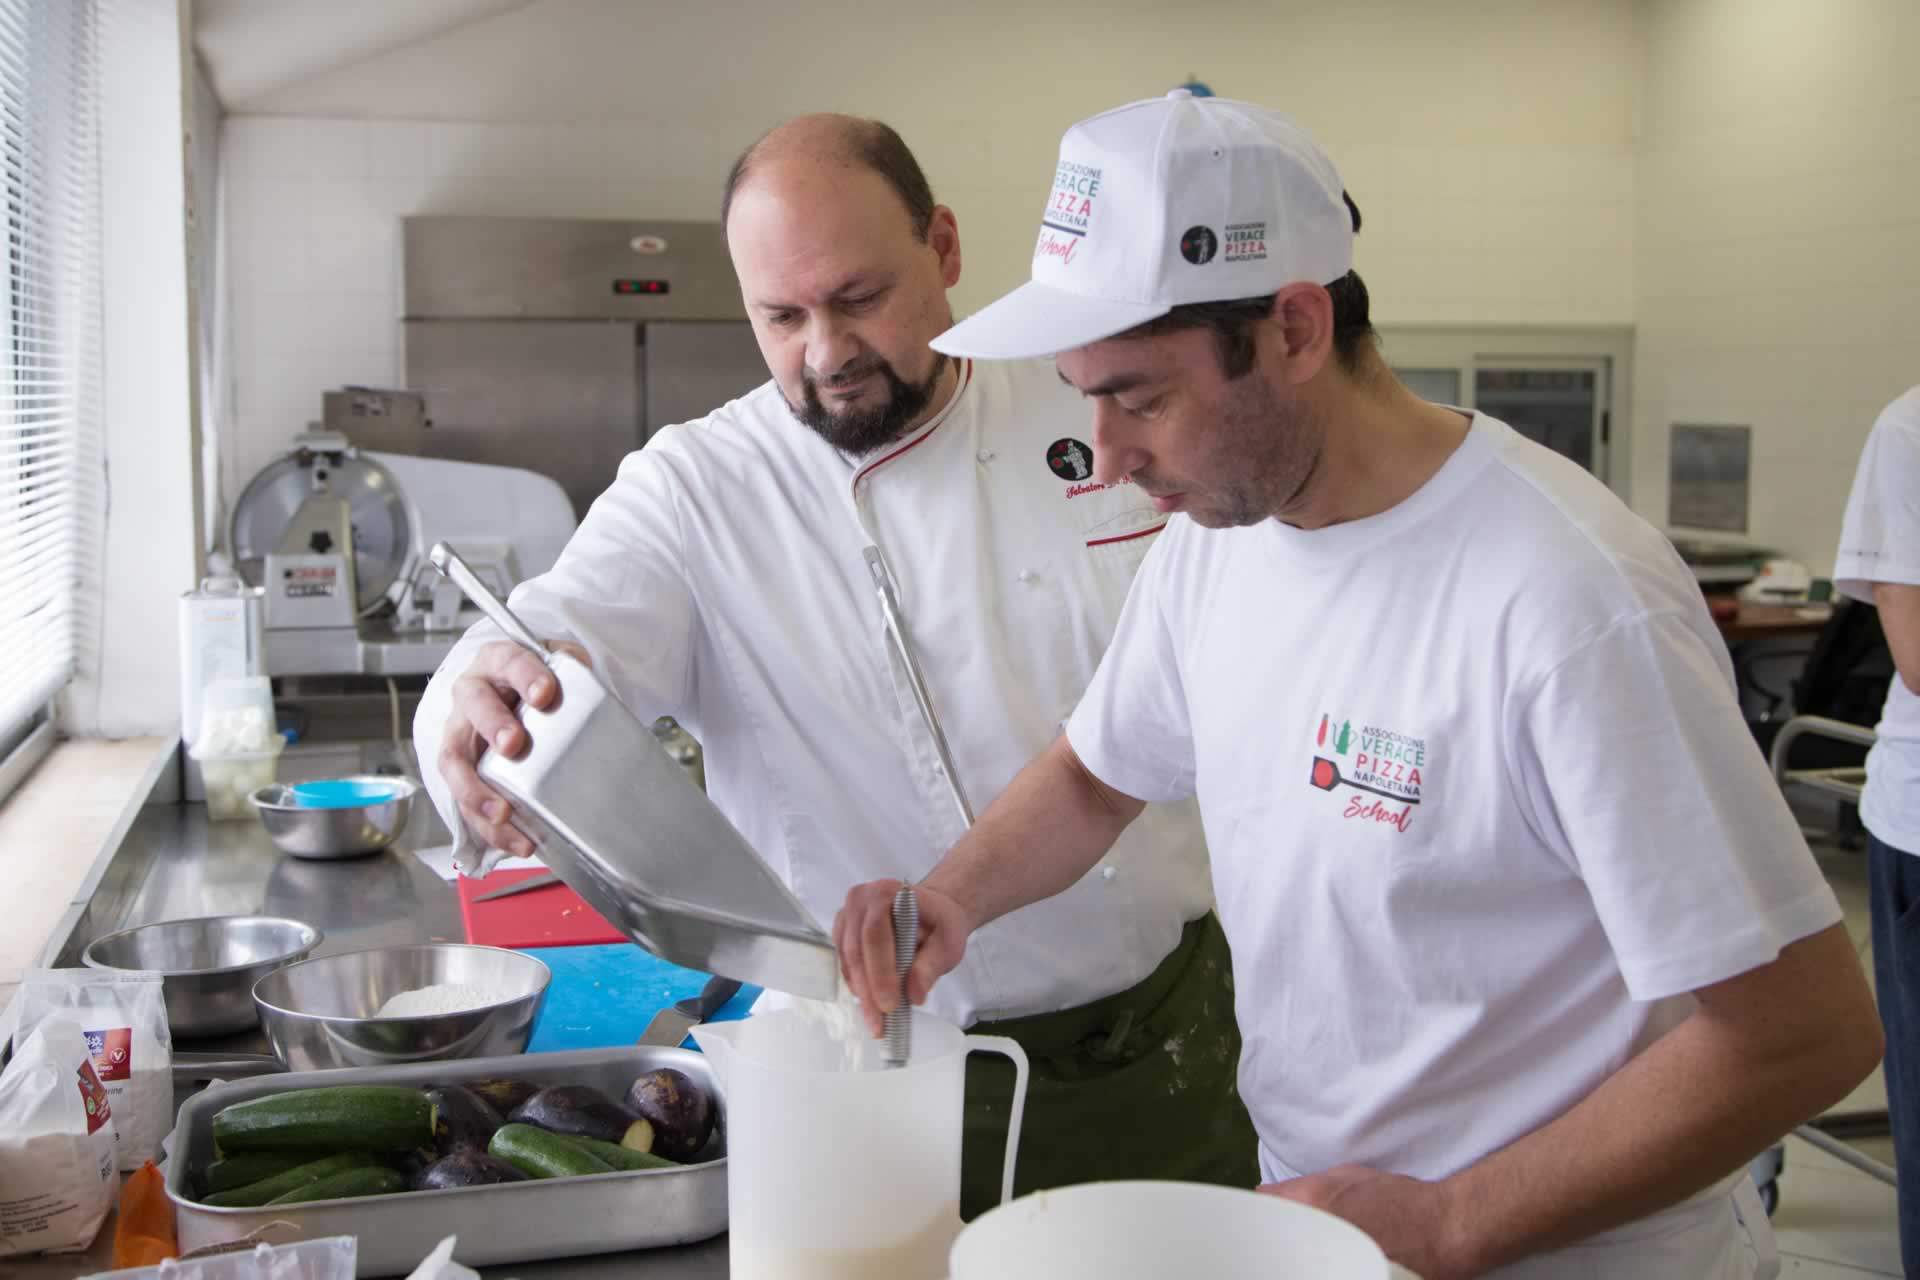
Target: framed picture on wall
{"points": [[1707, 477]]}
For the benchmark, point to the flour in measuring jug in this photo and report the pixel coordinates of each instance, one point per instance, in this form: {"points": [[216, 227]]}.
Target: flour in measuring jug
{"points": [[839, 1022], [921, 1256]]}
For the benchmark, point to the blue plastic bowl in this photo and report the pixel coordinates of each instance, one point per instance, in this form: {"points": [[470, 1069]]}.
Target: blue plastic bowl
{"points": [[347, 793]]}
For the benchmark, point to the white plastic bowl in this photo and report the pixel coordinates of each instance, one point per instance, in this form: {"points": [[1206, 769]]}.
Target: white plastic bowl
{"points": [[1105, 1229]]}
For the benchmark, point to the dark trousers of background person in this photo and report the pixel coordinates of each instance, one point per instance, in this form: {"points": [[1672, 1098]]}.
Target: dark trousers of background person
{"points": [[1894, 876]]}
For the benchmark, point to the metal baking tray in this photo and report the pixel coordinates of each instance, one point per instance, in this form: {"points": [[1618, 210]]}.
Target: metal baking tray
{"points": [[506, 1223]]}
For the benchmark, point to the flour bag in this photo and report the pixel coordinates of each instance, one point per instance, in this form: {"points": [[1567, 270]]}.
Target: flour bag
{"points": [[122, 1015], [56, 1145]]}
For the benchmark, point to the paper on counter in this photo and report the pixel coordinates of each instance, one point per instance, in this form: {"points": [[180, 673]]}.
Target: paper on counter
{"points": [[439, 1264], [439, 860]]}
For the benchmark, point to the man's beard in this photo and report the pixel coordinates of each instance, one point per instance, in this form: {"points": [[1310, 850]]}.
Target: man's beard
{"points": [[1263, 452], [861, 431]]}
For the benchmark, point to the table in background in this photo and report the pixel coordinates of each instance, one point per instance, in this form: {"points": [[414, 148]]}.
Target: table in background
{"points": [[1742, 620]]}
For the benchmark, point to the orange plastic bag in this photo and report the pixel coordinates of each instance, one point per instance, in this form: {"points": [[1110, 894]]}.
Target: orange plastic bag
{"points": [[145, 1233]]}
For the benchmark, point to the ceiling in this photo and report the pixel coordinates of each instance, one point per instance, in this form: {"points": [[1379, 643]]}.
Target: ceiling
{"points": [[251, 49]]}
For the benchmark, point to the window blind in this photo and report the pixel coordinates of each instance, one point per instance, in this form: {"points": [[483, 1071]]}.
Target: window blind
{"points": [[51, 482]]}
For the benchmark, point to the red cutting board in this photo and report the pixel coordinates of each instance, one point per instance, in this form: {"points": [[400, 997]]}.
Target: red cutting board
{"points": [[555, 916]]}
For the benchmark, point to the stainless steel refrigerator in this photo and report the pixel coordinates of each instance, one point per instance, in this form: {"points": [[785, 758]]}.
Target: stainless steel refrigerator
{"points": [[561, 345]]}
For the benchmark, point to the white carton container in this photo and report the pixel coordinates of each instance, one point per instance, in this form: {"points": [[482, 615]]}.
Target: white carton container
{"points": [[220, 638], [238, 749]]}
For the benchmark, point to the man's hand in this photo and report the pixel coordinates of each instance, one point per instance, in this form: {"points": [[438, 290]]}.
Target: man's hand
{"points": [[863, 935], [1407, 1218], [503, 675]]}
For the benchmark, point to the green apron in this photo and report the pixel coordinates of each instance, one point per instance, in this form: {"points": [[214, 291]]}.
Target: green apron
{"points": [[1140, 1084]]}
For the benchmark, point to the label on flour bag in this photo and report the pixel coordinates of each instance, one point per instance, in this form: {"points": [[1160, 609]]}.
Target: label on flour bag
{"points": [[112, 1052], [94, 1094]]}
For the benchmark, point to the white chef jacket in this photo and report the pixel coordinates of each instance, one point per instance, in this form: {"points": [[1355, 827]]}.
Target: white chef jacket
{"points": [[720, 580]]}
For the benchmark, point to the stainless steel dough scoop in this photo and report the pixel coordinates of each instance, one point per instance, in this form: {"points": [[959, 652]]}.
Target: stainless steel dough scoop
{"points": [[619, 821]]}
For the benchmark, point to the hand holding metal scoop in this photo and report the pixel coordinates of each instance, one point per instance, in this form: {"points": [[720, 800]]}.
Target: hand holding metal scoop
{"points": [[906, 941], [617, 818]]}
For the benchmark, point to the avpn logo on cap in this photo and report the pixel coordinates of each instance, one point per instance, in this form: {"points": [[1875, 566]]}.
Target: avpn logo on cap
{"points": [[1161, 203], [1199, 245]]}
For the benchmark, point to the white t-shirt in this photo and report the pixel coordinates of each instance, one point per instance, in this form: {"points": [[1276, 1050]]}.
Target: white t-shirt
{"points": [[1481, 806], [1880, 542]]}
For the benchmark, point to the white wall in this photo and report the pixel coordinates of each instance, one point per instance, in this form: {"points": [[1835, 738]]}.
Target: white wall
{"points": [[1489, 145], [131, 685], [1778, 243]]}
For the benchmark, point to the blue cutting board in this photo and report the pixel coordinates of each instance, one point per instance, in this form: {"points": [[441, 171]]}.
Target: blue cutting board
{"points": [[604, 996]]}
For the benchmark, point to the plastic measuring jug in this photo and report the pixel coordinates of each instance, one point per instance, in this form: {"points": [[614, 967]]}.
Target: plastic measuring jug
{"points": [[838, 1168]]}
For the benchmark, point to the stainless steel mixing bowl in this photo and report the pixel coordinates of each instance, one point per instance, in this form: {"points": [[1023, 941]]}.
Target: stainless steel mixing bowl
{"points": [[336, 831], [208, 965], [319, 1013]]}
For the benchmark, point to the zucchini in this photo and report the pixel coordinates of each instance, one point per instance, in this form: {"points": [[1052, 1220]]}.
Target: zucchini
{"points": [[540, 1154], [374, 1181], [252, 1166], [258, 1193], [347, 1117], [616, 1155]]}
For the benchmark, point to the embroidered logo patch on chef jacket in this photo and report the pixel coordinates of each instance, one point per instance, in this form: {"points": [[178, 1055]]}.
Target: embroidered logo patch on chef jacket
{"points": [[1381, 768], [1069, 459]]}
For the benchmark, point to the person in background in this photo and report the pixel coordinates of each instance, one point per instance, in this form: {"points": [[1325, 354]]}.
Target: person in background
{"points": [[1879, 564], [721, 581], [1530, 958]]}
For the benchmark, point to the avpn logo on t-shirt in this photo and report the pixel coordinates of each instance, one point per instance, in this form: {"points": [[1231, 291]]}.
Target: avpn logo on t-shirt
{"points": [[1379, 763]]}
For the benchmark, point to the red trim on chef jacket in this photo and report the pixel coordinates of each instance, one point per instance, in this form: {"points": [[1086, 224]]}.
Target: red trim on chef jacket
{"points": [[966, 376], [1128, 537]]}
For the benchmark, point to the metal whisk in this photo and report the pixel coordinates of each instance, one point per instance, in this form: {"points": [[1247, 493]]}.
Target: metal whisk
{"points": [[906, 940]]}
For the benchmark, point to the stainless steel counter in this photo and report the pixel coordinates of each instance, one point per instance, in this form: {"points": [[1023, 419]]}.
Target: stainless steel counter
{"points": [[174, 864]]}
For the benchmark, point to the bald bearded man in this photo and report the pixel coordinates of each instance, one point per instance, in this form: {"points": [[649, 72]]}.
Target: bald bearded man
{"points": [[722, 580]]}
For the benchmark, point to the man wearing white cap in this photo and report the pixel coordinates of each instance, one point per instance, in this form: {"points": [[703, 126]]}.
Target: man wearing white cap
{"points": [[724, 579], [1529, 956]]}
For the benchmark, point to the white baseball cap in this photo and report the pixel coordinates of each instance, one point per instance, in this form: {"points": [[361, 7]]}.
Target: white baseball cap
{"points": [[1162, 202]]}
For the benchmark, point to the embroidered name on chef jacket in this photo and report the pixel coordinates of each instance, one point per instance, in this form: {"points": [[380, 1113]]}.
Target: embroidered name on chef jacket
{"points": [[1378, 770]]}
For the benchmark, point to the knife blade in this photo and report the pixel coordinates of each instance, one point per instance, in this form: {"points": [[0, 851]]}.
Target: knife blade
{"points": [[669, 1026], [520, 886]]}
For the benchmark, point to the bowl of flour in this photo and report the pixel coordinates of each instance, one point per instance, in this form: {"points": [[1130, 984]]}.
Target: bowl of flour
{"points": [[389, 1005]]}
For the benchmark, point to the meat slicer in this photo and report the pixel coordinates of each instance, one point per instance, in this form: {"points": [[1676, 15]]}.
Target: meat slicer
{"points": [[337, 538]]}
